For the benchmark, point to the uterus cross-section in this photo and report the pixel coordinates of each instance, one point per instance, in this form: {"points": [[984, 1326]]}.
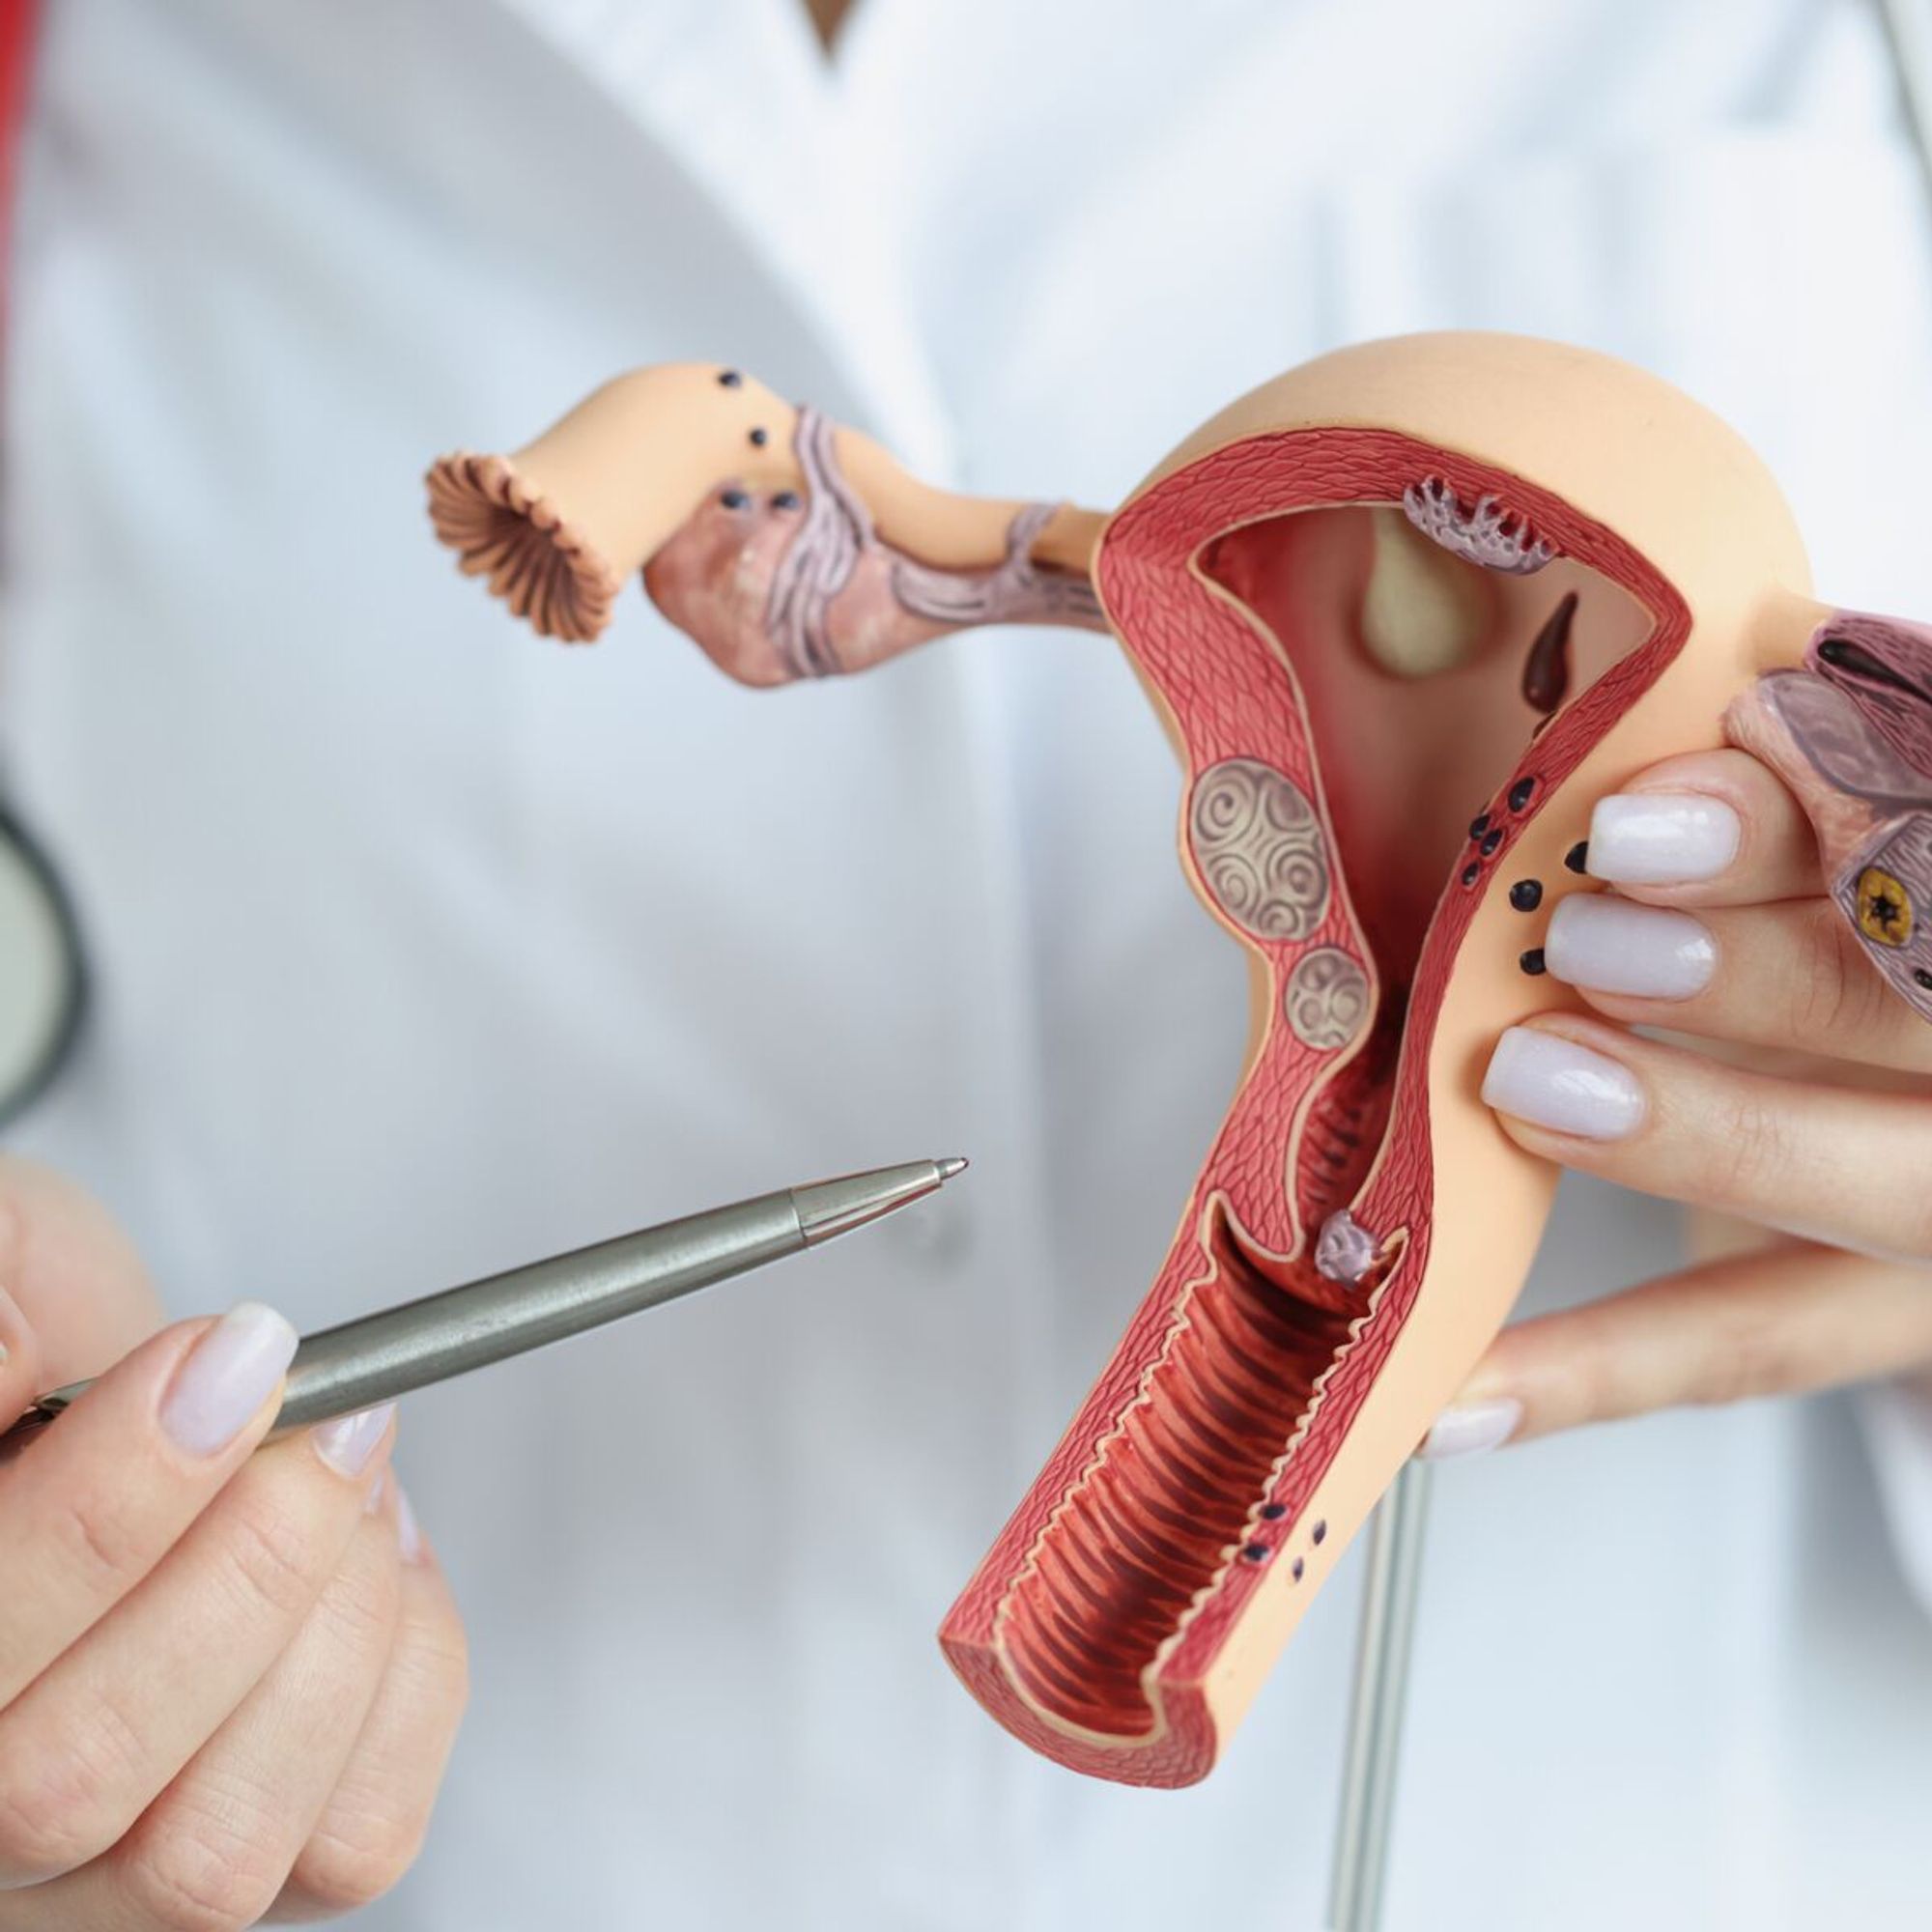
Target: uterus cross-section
{"points": [[1405, 614]]}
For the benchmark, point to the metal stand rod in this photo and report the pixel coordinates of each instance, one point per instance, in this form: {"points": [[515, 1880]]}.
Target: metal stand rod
{"points": [[1381, 1690], [1908, 35]]}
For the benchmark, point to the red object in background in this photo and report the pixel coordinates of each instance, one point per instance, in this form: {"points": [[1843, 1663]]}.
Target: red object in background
{"points": [[17, 21]]}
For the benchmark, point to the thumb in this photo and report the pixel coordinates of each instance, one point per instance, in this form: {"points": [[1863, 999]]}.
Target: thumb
{"points": [[1778, 1321], [71, 1274]]}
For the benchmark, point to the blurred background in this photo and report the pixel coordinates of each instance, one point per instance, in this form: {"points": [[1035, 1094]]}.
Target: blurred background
{"points": [[418, 948]]}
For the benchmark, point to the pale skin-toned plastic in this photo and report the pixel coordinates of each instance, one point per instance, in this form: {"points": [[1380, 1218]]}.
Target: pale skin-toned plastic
{"points": [[1393, 724]]}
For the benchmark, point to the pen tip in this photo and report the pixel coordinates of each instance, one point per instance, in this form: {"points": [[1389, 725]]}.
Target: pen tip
{"points": [[952, 1165]]}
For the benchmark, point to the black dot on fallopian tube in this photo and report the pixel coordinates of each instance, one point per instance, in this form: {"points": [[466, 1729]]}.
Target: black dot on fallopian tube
{"points": [[1520, 793], [1471, 873], [1491, 838], [1531, 962], [1320, 1530], [1299, 1568], [1479, 825], [1923, 978], [1577, 856], [729, 379], [1257, 1552], [733, 500], [1273, 1512], [1526, 894], [759, 439], [786, 499]]}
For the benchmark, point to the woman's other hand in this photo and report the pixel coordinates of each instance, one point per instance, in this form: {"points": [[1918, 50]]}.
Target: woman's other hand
{"points": [[1718, 926]]}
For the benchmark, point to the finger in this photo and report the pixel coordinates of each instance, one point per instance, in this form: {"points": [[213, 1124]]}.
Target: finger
{"points": [[1712, 828], [373, 1826], [1821, 1162], [1791, 975], [217, 1846], [72, 1271], [95, 1501], [93, 1739], [1779, 1320], [21, 1372]]}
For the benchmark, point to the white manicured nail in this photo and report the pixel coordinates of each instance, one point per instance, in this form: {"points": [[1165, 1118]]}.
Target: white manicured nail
{"points": [[230, 1373], [12, 1324], [409, 1538], [1553, 1083], [347, 1444], [1662, 838], [1615, 947], [1474, 1429]]}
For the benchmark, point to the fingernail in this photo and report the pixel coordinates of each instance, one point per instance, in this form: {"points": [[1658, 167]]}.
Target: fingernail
{"points": [[1473, 1429], [407, 1535], [347, 1444], [12, 1324], [1615, 947], [1662, 838], [1553, 1083], [230, 1373], [373, 1501]]}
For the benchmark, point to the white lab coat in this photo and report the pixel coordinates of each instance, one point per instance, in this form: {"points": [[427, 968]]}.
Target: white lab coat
{"points": [[424, 948]]}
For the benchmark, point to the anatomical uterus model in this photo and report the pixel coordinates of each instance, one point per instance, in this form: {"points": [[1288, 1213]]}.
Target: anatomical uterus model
{"points": [[1405, 614]]}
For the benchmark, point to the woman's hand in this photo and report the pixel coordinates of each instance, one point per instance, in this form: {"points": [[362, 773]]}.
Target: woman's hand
{"points": [[1718, 927], [228, 1681]]}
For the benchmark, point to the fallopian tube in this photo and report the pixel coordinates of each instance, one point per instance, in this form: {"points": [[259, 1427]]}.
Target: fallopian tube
{"points": [[1405, 612]]}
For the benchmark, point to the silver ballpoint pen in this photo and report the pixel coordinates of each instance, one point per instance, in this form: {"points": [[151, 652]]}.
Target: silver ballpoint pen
{"points": [[378, 1357]]}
